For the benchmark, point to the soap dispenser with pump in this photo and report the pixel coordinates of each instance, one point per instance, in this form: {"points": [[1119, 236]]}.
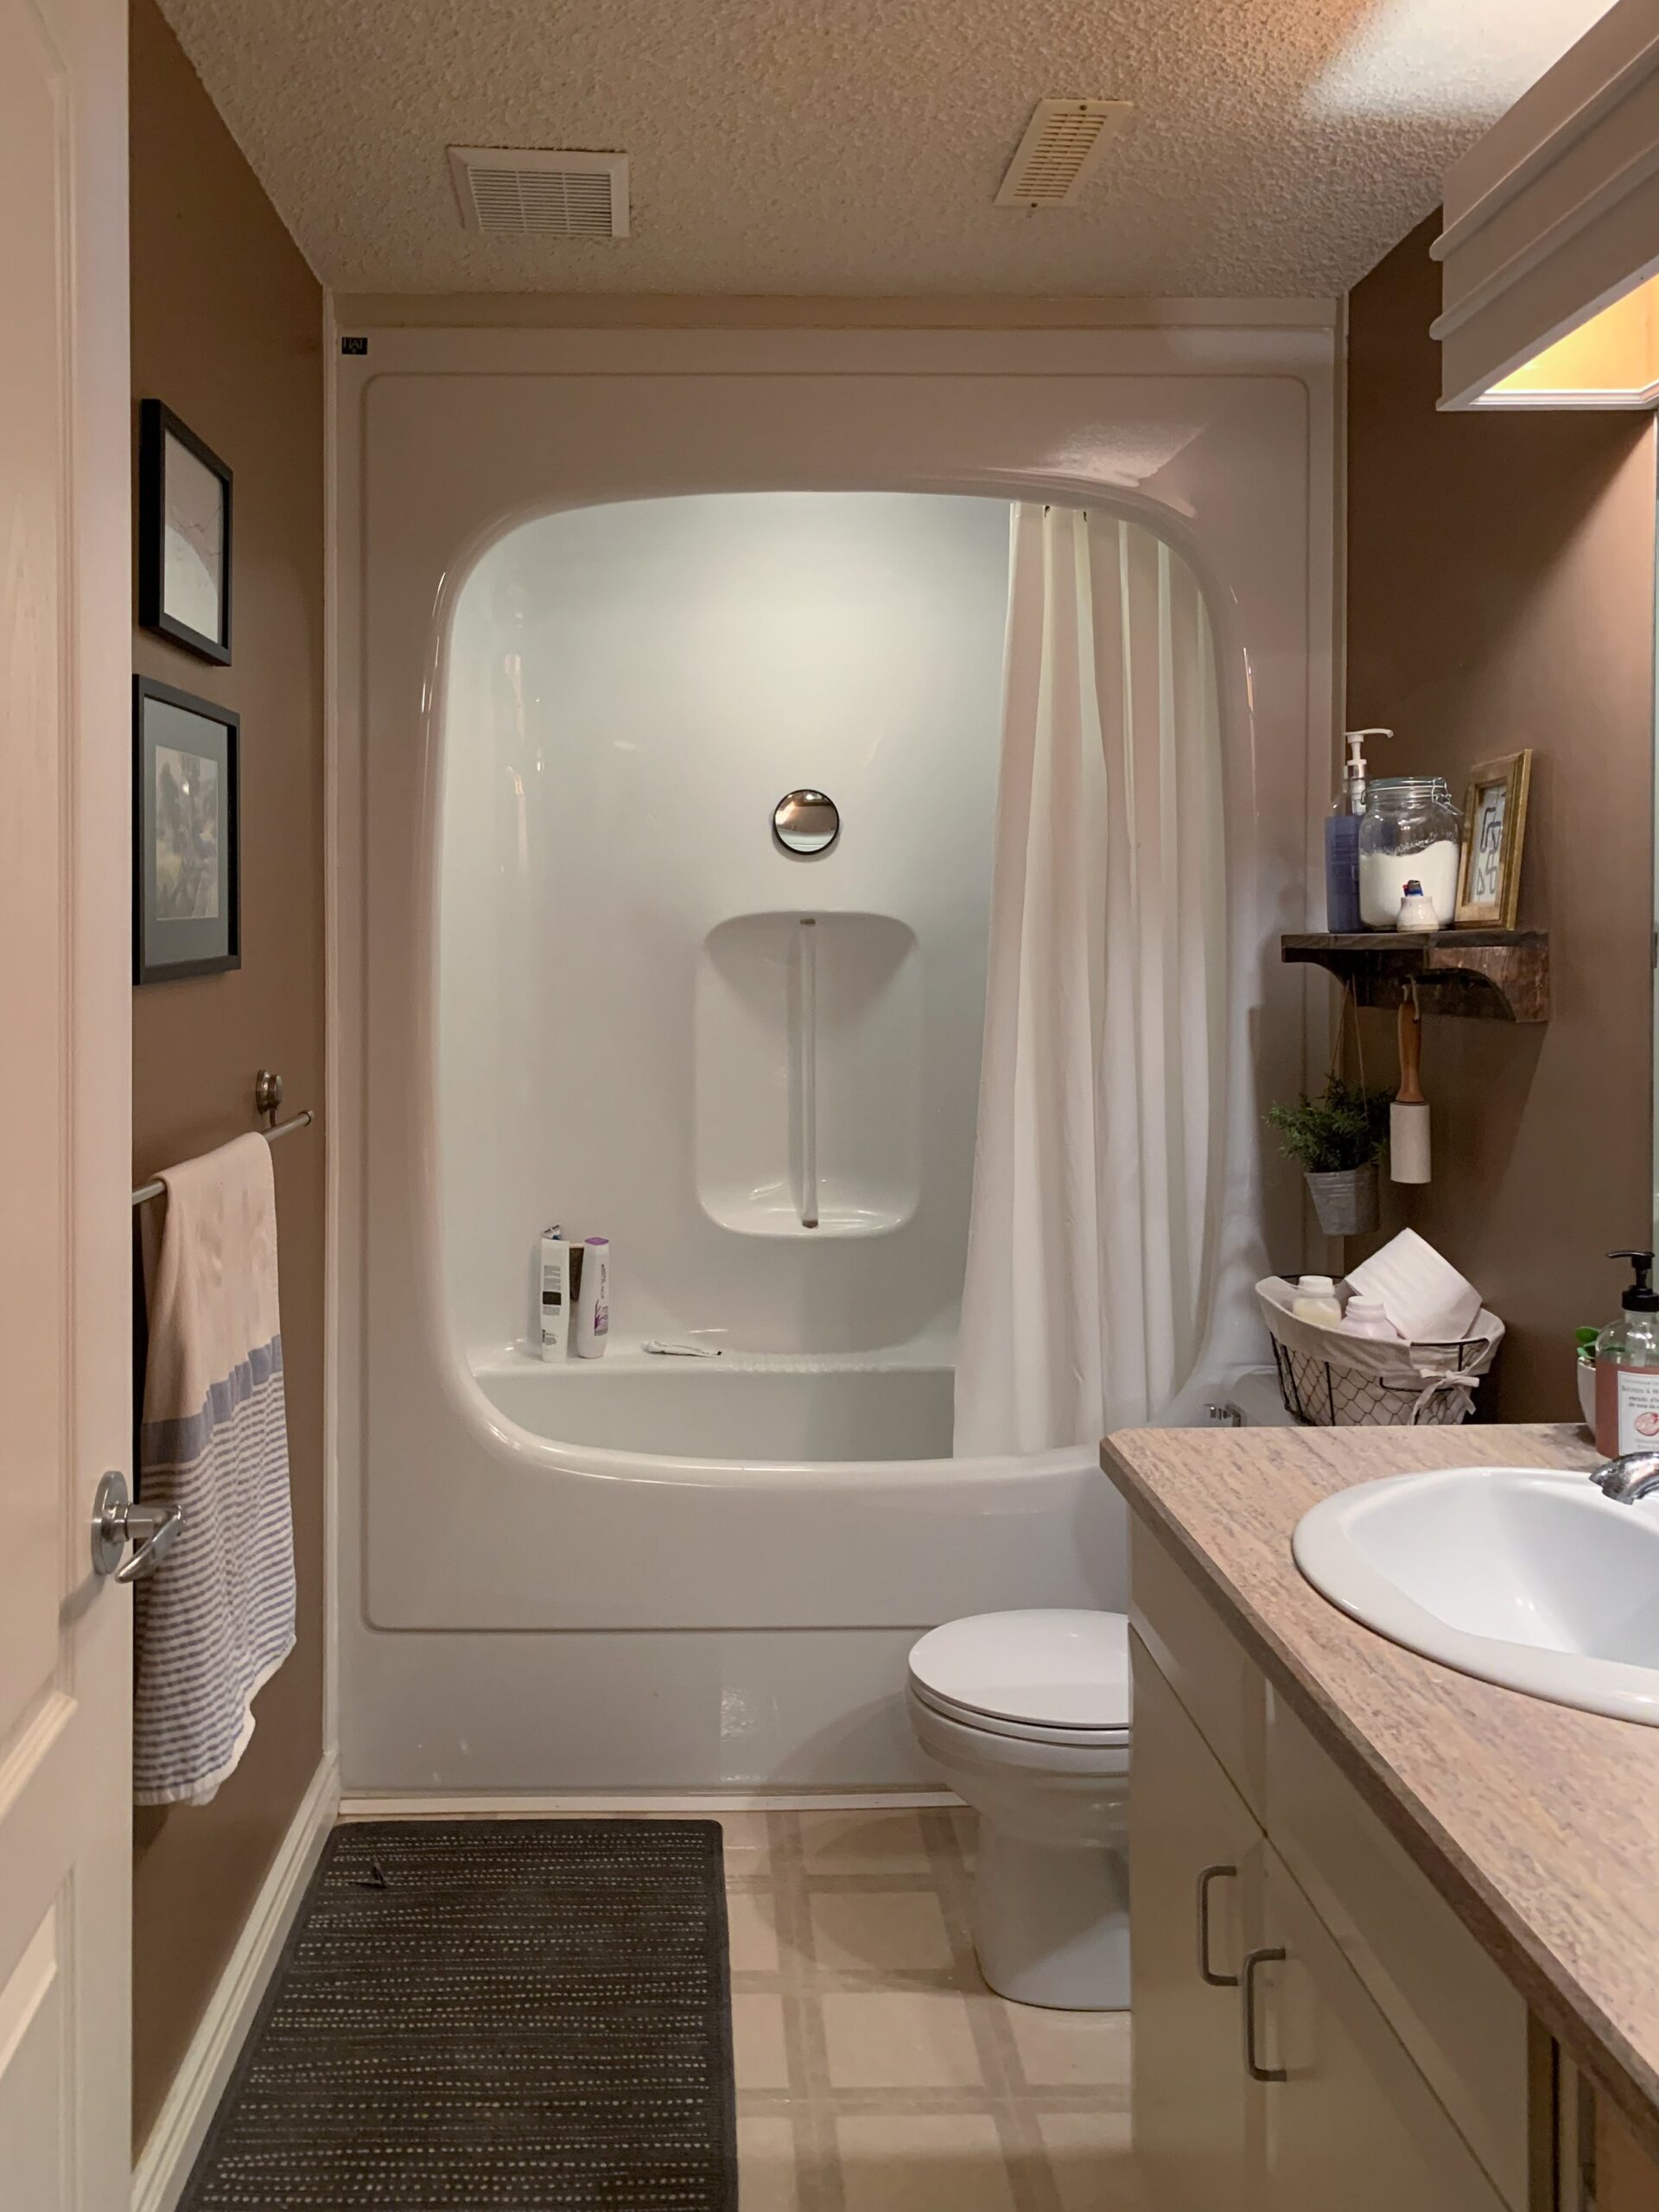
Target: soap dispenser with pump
{"points": [[1342, 836], [1627, 1367]]}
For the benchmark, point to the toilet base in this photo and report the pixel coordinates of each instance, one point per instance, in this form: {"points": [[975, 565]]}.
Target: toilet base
{"points": [[1052, 1924]]}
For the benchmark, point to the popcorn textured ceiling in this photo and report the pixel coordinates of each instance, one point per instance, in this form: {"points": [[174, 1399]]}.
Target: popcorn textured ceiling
{"points": [[1278, 147]]}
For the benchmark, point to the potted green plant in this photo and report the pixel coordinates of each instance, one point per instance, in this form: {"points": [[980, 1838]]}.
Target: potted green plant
{"points": [[1338, 1139]]}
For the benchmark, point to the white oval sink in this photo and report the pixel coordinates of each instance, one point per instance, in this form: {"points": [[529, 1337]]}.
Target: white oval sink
{"points": [[1522, 1576]]}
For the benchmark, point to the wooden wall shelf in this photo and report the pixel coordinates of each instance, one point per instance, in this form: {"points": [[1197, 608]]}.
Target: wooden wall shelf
{"points": [[1491, 974]]}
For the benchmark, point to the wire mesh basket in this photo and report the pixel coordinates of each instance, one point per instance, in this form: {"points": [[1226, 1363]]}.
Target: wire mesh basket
{"points": [[1329, 1379]]}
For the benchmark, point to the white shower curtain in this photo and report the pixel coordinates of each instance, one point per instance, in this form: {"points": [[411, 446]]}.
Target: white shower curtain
{"points": [[1101, 1103]]}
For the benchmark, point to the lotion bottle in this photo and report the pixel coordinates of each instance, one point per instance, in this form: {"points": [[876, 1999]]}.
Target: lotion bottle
{"points": [[1342, 837], [1627, 1368], [556, 1292]]}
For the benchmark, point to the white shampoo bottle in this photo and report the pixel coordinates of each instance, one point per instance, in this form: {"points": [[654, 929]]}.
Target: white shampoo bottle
{"points": [[593, 1316], [555, 1294]]}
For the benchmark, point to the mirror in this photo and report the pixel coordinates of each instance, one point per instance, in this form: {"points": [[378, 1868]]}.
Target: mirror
{"points": [[806, 823]]}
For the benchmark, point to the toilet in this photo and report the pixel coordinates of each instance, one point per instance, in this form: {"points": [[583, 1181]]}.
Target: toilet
{"points": [[1026, 1716]]}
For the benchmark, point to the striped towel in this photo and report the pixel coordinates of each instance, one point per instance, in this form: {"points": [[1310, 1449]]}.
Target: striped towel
{"points": [[216, 1618]]}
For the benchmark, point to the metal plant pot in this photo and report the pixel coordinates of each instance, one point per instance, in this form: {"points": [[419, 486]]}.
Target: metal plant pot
{"points": [[1345, 1199]]}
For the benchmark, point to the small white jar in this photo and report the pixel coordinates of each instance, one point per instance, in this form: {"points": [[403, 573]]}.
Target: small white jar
{"points": [[1365, 1318], [1316, 1300]]}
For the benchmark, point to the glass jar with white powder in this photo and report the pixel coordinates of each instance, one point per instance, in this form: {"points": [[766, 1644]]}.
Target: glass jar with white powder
{"points": [[1410, 829]]}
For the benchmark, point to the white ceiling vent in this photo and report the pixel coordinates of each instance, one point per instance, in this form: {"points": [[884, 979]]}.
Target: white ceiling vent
{"points": [[519, 192], [1059, 150]]}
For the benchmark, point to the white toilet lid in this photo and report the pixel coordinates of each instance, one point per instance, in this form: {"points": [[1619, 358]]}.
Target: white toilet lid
{"points": [[984, 1725], [1050, 1670]]}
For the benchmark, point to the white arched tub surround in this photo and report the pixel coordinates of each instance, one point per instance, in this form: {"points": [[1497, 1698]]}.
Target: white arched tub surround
{"points": [[629, 691], [534, 1617]]}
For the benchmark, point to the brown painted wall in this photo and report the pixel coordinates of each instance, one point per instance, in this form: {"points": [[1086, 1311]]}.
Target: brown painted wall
{"points": [[226, 328], [1500, 594]]}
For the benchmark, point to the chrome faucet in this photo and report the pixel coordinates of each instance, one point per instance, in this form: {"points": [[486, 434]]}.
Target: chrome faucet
{"points": [[1634, 1476]]}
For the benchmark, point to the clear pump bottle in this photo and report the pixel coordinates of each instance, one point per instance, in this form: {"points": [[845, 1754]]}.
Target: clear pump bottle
{"points": [[1627, 1368], [1342, 836]]}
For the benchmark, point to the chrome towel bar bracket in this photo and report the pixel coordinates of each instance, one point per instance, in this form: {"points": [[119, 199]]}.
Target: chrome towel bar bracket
{"points": [[267, 1098]]}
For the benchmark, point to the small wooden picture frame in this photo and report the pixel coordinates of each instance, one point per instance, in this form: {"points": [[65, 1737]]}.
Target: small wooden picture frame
{"points": [[1494, 839], [186, 912], [184, 535]]}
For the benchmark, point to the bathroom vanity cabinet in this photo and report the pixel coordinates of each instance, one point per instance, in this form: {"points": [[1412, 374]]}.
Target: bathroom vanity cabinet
{"points": [[1314, 2026], [1395, 1929]]}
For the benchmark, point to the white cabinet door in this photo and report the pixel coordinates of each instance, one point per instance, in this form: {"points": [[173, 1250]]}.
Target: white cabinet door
{"points": [[1350, 2121], [1195, 1910], [65, 1119]]}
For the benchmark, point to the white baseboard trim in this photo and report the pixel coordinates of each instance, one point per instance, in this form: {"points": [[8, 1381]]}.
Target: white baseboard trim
{"points": [[164, 2166], [525, 1805]]}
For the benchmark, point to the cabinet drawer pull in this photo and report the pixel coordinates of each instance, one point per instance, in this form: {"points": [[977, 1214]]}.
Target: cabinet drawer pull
{"points": [[1257, 2072], [1206, 1973]]}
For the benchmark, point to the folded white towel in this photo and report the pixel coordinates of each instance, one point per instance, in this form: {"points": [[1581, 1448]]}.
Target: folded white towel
{"points": [[216, 1619], [1424, 1296]]}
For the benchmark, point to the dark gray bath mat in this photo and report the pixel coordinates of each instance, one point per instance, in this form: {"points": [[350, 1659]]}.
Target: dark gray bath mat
{"points": [[492, 2016]]}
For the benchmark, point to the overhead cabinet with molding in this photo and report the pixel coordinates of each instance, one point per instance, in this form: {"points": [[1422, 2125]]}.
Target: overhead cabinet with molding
{"points": [[1550, 250]]}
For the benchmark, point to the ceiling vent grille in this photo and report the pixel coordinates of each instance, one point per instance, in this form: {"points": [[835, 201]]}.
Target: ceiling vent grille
{"points": [[517, 191], [1059, 150]]}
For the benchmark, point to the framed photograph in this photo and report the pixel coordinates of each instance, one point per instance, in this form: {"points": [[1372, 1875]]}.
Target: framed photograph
{"points": [[186, 872], [1494, 837], [184, 535]]}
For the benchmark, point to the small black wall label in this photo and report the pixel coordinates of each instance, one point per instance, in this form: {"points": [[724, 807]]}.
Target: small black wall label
{"points": [[353, 345]]}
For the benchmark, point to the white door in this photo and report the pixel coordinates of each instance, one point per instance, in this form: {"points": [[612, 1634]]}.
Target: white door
{"points": [[65, 1268]]}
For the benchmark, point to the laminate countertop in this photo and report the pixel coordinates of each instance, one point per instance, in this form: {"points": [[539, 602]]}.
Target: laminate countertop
{"points": [[1538, 1824]]}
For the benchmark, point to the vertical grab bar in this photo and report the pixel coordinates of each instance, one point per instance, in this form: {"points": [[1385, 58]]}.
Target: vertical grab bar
{"points": [[806, 1073]]}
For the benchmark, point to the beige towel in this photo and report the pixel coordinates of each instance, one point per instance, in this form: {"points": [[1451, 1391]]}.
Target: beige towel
{"points": [[216, 1619]]}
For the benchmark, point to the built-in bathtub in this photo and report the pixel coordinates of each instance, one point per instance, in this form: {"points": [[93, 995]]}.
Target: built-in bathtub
{"points": [[845, 1420], [572, 1615], [756, 1407], [534, 1599], [659, 1620]]}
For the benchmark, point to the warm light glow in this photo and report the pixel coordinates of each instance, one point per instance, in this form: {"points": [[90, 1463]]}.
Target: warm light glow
{"points": [[1464, 60], [1611, 360]]}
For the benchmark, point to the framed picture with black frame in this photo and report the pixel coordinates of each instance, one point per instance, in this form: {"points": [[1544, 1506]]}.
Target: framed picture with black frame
{"points": [[184, 535], [187, 835]]}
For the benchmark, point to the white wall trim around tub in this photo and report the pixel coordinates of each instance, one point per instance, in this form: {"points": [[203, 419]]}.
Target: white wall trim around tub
{"points": [[164, 2166]]}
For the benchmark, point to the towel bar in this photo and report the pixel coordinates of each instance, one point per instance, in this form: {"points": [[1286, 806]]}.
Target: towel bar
{"points": [[267, 1097]]}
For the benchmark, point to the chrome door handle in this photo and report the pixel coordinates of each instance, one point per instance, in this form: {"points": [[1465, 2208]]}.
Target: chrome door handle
{"points": [[1206, 1973], [117, 1522], [1256, 2071]]}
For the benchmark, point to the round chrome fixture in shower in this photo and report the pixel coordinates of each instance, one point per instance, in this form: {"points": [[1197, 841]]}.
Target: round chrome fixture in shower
{"points": [[806, 823]]}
